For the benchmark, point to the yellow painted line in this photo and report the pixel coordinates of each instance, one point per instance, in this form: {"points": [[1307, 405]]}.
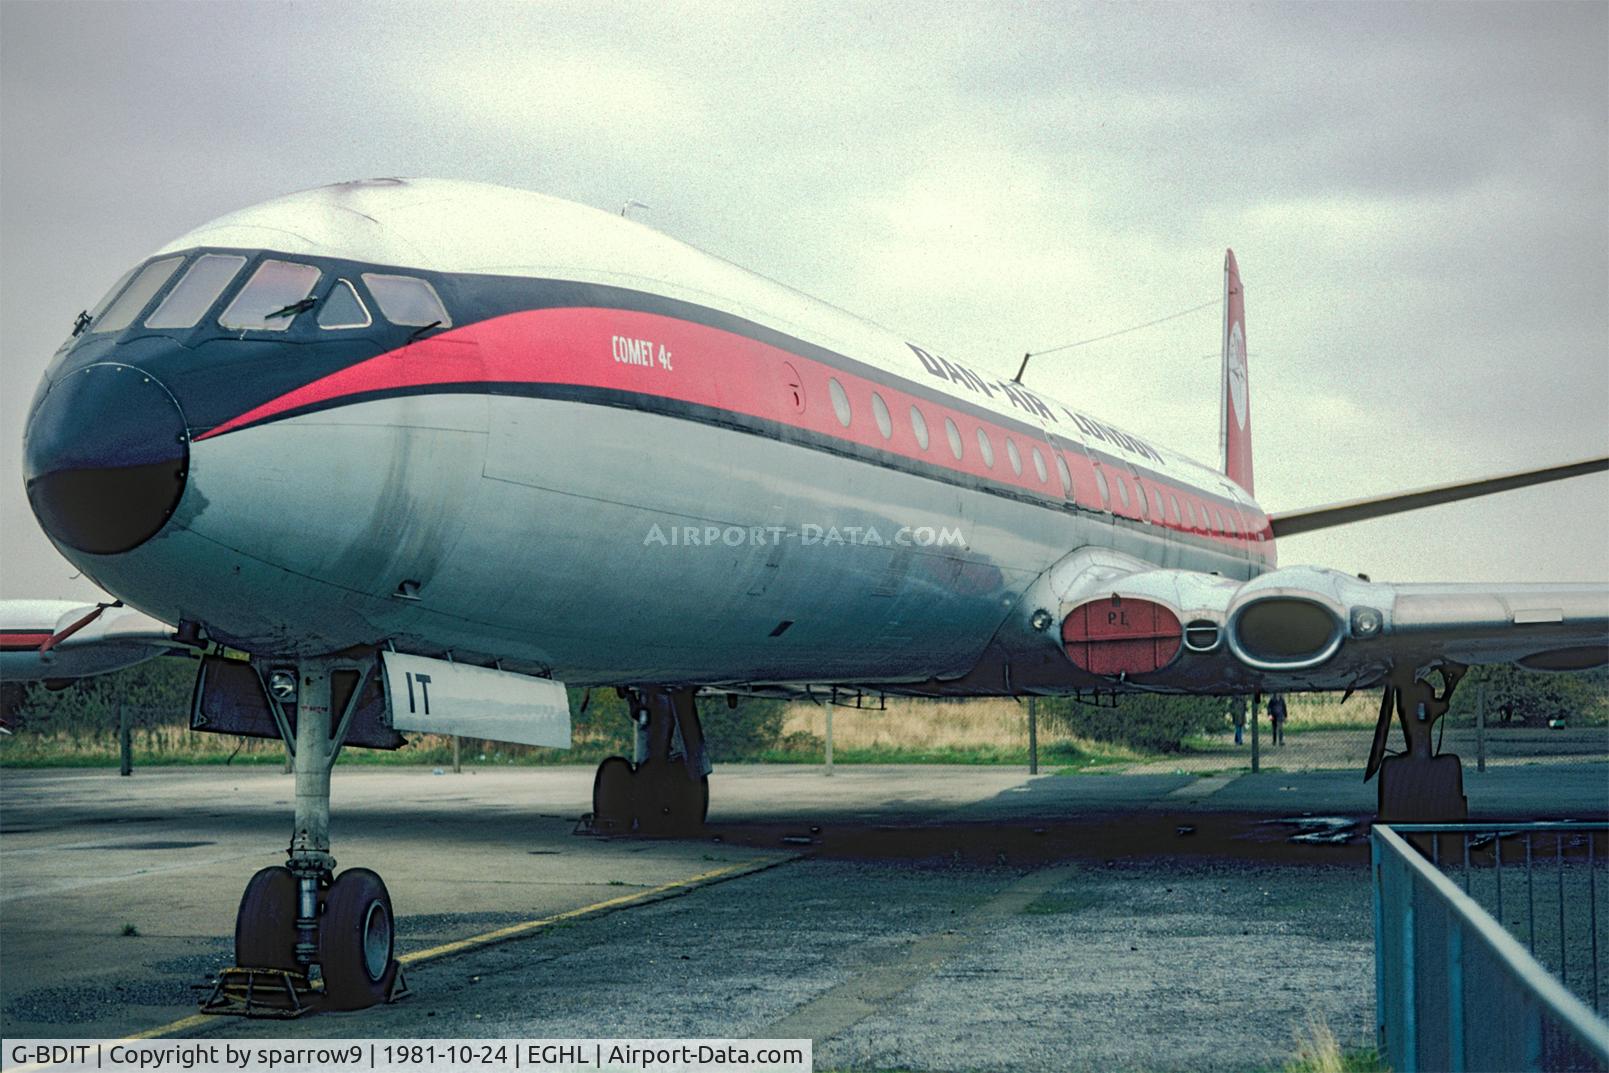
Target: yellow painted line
{"points": [[193, 1021], [514, 931]]}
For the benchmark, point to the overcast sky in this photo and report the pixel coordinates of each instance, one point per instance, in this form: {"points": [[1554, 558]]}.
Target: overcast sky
{"points": [[1418, 197]]}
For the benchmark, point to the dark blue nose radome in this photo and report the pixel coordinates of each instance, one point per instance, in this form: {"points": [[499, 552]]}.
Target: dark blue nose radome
{"points": [[104, 458]]}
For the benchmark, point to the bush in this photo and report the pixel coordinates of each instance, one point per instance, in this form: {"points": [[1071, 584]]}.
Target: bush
{"points": [[606, 724], [157, 694], [1516, 695], [744, 732], [1141, 720], [157, 690], [740, 733]]}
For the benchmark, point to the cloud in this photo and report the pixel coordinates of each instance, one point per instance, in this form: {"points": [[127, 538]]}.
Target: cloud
{"points": [[1418, 195]]}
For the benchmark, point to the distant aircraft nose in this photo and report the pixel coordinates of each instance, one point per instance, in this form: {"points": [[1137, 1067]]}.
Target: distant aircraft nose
{"points": [[105, 456]]}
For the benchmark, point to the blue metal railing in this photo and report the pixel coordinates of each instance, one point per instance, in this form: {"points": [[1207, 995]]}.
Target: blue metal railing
{"points": [[1453, 989]]}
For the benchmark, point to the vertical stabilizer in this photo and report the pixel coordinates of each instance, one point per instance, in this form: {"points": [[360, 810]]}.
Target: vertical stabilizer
{"points": [[1234, 417]]}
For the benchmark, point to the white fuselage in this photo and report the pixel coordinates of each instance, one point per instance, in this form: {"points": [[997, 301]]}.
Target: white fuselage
{"points": [[624, 461]]}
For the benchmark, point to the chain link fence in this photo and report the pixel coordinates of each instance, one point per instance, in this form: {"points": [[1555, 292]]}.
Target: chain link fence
{"points": [[1322, 733]]}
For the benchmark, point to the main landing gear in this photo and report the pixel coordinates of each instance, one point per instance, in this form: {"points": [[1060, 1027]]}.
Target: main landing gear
{"points": [[1418, 785], [306, 936], [665, 788]]}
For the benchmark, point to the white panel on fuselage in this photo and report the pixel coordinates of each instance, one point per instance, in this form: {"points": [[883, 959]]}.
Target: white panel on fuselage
{"points": [[434, 696]]}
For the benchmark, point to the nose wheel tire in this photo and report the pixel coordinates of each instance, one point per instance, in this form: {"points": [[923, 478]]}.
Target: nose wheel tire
{"points": [[614, 796], [265, 926], [356, 937]]}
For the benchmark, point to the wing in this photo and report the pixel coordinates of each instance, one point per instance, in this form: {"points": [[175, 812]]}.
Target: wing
{"points": [[1340, 630], [1289, 523], [48, 640], [1305, 628]]}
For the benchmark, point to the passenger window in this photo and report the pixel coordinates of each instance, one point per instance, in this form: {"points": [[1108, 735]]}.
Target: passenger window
{"points": [[1139, 499], [193, 295], [121, 313], [408, 300], [342, 308], [919, 426], [1123, 492], [1106, 492], [885, 423], [986, 448], [272, 297], [1156, 504], [1013, 456], [1065, 474], [1173, 508], [840, 400], [1039, 466], [953, 434], [1189, 514]]}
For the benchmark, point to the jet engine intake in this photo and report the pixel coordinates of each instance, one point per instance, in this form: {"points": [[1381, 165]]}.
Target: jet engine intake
{"points": [[1285, 633]]}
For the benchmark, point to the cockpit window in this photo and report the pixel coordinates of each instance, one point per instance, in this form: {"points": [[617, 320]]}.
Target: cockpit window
{"points": [[121, 313], [193, 295], [117, 289], [407, 300], [342, 308], [269, 302]]}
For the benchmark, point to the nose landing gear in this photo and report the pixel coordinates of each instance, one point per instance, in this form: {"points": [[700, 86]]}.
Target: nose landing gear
{"points": [[665, 790], [305, 936]]}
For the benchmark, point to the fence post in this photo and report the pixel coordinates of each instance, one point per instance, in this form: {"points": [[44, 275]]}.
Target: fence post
{"points": [[457, 768], [829, 739], [1480, 727], [1033, 737], [1382, 949], [1256, 747], [125, 744]]}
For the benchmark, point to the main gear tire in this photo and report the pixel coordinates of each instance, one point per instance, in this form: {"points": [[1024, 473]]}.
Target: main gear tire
{"points": [[356, 938]]}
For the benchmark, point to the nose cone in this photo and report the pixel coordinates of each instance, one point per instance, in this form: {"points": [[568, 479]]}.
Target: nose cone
{"points": [[105, 457]]}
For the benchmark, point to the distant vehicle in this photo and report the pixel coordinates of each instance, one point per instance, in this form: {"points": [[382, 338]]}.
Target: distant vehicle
{"points": [[427, 449]]}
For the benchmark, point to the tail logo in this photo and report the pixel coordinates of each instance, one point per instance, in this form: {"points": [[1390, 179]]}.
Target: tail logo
{"points": [[1237, 374]]}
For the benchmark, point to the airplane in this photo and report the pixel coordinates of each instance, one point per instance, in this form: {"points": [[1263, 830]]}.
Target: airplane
{"points": [[427, 450], [59, 641]]}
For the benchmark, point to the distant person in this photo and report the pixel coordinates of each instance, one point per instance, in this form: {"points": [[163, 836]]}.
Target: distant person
{"points": [[1276, 716], [1237, 714]]}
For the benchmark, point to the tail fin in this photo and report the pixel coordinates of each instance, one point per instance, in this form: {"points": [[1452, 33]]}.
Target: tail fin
{"points": [[1234, 424]]}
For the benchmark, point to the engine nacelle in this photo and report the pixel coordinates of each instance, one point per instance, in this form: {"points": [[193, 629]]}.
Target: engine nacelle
{"points": [[1121, 636], [1117, 621], [1297, 618]]}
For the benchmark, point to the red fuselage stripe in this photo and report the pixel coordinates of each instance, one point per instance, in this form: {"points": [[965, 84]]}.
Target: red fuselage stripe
{"points": [[649, 353], [17, 640]]}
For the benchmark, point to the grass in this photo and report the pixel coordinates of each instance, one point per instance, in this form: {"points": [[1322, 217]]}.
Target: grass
{"points": [[178, 745], [1317, 1051], [988, 731], [909, 731], [983, 732]]}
